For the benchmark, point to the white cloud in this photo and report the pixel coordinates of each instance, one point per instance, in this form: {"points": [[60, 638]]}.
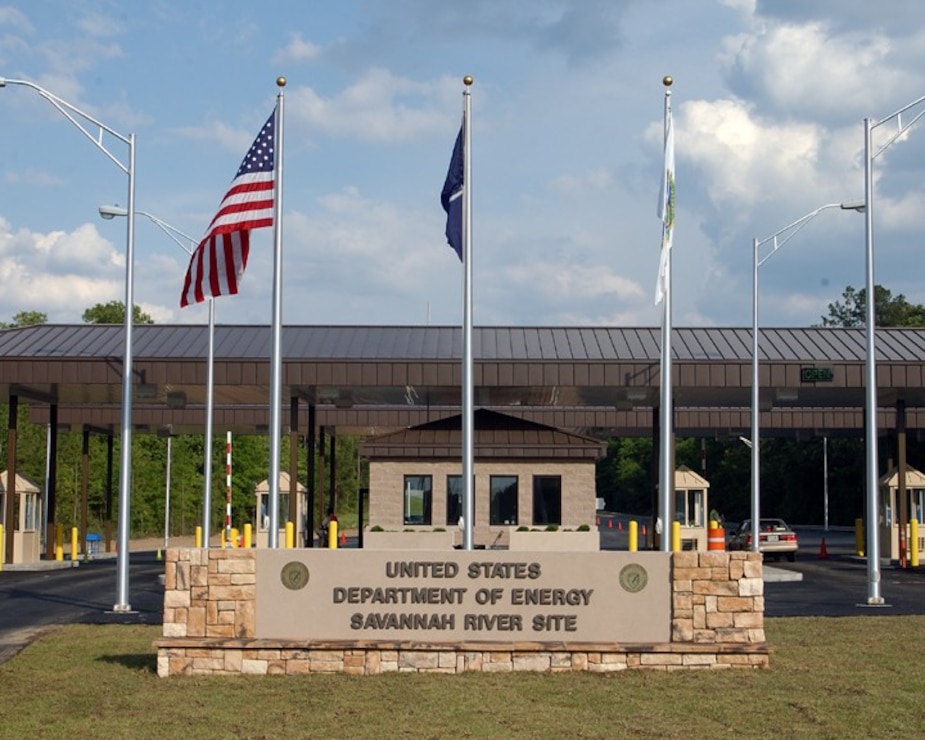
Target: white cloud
{"points": [[13, 17], [297, 50], [811, 70], [378, 106], [100, 24], [58, 273], [599, 179], [32, 177], [738, 155], [565, 283]]}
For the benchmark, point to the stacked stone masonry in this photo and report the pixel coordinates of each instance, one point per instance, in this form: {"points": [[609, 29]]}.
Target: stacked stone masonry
{"points": [[717, 621]]}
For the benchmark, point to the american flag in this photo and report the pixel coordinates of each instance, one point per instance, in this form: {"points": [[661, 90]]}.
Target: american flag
{"points": [[217, 264]]}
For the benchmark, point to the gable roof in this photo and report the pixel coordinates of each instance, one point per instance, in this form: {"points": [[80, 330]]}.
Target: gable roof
{"points": [[497, 436]]}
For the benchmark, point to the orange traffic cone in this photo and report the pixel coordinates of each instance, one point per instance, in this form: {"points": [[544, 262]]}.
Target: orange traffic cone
{"points": [[643, 530], [619, 526], [610, 524], [599, 519], [343, 539], [823, 553]]}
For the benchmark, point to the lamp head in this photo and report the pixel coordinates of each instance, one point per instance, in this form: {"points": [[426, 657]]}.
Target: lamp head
{"points": [[854, 205], [2, 81], [110, 212]]}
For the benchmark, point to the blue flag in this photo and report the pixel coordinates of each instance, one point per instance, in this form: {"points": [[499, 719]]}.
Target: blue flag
{"points": [[451, 197]]}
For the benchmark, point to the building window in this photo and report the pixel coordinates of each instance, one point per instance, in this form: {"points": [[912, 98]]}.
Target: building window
{"points": [[263, 521], [689, 507], [503, 499], [547, 499], [32, 512], [454, 499], [418, 497]]}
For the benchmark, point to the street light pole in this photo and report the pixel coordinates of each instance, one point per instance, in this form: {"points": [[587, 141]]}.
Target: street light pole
{"points": [[79, 118], [110, 212], [874, 597], [788, 232]]}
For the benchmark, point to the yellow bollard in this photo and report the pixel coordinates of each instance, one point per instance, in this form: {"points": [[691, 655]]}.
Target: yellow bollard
{"points": [[248, 534], [74, 552], [59, 553], [332, 535], [234, 536], [2, 547], [859, 536], [634, 535], [914, 543], [199, 536], [290, 535], [676, 536]]}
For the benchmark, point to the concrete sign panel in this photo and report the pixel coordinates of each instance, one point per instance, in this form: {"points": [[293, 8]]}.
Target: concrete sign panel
{"points": [[458, 596]]}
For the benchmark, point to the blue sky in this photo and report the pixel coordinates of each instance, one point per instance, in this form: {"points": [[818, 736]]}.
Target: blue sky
{"points": [[768, 97]]}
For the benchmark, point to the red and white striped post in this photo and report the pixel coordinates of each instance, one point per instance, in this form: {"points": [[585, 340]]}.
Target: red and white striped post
{"points": [[228, 542]]}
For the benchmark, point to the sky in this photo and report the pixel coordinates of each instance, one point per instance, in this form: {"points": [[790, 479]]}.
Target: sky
{"points": [[768, 103]]}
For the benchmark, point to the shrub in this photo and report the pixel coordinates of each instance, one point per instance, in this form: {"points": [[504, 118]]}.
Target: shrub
{"points": [[552, 527]]}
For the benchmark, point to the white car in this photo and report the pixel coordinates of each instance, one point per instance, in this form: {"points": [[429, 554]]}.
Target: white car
{"points": [[775, 538]]}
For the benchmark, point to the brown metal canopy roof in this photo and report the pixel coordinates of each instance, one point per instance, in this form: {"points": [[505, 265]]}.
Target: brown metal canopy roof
{"points": [[372, 379]]}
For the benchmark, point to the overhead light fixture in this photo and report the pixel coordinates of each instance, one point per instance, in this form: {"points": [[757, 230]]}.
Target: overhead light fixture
{"points": [[111, 212], [146, 390], [637, 394], [176, 400], [786, 394]]}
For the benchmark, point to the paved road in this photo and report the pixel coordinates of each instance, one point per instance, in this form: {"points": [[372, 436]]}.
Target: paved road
{"points": [[33, 601]]}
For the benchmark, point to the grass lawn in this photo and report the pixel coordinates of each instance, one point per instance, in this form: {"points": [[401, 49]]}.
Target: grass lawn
{"points": [[852, 677]]}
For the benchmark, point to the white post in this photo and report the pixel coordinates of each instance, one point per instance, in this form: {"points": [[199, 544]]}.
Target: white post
{"points": [[825, 484]]}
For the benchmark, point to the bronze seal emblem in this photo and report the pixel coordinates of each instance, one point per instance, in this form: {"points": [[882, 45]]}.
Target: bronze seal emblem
{"points": [[633, 578], [294, 575]]}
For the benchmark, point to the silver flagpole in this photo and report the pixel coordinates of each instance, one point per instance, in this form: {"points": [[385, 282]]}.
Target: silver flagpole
{"points": [[276, 360], [467, 420], [666, 432], [207, 453]]}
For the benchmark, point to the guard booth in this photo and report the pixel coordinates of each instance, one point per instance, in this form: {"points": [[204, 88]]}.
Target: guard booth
{"points": [[262, 512], [690, 507], [889, 511], [26, 528]]}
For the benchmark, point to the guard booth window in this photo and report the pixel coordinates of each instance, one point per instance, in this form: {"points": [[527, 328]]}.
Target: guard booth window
{"points": [[547, 499], [503, 509], [263, 521], [418, 498], [454, 498], [689, 507]]}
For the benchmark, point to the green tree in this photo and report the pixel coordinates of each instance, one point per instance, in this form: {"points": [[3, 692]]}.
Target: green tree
{"points": [[25, 318], [113, 313], [888, 311]]}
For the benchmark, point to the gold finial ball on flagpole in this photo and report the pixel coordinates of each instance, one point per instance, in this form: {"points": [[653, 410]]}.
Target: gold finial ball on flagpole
{"points": [[467, 80], [666, 80], [281, 81]]}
